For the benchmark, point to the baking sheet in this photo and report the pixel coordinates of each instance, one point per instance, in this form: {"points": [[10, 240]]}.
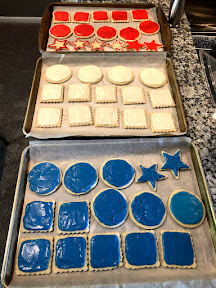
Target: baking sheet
{"points": [[118, 26], [136, 62], [143, 151]]}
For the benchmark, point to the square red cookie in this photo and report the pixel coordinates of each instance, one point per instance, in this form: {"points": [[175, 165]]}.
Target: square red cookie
{"points": [[120, 16], [100, 16], [139, 15], [81, 17]]}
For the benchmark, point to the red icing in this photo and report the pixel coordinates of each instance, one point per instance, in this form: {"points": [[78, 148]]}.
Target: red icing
{"points": [[106, 32], [100, 15], [129, 33], [60, 30], [135, 45], [152, 46], [149, 27], [96, 45], [81, 16], [78, 44], [140, 14], [61, 16], [56, 46], [119, 16], [84, 30]]}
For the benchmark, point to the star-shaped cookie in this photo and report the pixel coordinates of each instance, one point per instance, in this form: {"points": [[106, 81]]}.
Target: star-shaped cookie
{"points": [[58, 44], [152, 46], [150, 175], [78, 44], [135, 45], [117, 45], [96, 45], [173, 163]]}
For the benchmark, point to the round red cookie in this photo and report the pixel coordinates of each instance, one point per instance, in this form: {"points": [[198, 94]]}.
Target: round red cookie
{"points": [[84, 31], [60, 31], [149, 27], [106, 33], [129, 34]]}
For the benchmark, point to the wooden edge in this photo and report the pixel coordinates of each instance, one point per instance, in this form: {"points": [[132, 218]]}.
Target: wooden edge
{"points": [[165, 30]]}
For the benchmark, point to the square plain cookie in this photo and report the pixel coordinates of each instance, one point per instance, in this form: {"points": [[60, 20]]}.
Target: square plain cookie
{"points": [[79, 115], [49, 117], [135, 118], [106, 117], [133, 95], [52, 93], [105, 94], [161, 98], [162, 122], [79, 93]]}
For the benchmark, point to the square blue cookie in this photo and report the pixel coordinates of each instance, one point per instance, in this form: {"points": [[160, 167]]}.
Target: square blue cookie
{"points": [[73, 217], [104, 251], [140, 250], [70, 253], [177, 249], [34, 257]]}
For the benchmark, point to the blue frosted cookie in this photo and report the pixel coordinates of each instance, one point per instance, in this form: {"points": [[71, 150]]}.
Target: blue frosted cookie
{"points": [[38, 216], [110, 208], [147, 210], [44, 178], [177, 248], [70, 254], [35, 256], [104, 251], [186, 209], [80, 178], [117, 173], [73, 217], [140, 250]]}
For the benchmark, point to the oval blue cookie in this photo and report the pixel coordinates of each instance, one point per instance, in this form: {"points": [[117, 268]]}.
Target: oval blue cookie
{"points": [[44, 178], [110, 208], [186, 209], [117, 173], [147, 210], [80, 178]]}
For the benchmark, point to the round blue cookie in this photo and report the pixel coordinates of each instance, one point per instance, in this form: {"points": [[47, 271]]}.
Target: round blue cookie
{"points": [[117, 173], [110, 208], [44, 178], [186, 209], [147, 210], [80, 178]]}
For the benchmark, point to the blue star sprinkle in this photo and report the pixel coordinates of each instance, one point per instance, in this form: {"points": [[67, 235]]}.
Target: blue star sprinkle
{"points": [[173, 163], [150, 175]]}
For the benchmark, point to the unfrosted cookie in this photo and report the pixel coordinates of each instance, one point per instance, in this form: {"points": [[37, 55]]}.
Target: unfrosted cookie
{"points": [[60, 31], [162, 122], [58, 73], [61, 16], [105, 94], [120, 75], [52, 93], [133, 95], [100, 16], [49, 117], [79, 115], [152, 77], [106, 117], [161, 98], [79, 93], [90, 74], [135, 118], [81, 17]]}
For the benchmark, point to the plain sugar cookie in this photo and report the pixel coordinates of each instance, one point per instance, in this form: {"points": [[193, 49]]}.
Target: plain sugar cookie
{"points": [[153, 77], [58, 73], [90, 74], [120, 75]]}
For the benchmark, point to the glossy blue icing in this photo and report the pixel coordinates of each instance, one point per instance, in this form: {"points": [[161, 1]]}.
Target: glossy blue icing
{"points": [[148, 209], [186, 208], [44, 178], [80, 177], [38, 216], [34, 255], [104, 251], [150, 175], [70, 252], [73, 216], [178, 249], [174, 163], [141, 249], [117, 172], [110, 207]]}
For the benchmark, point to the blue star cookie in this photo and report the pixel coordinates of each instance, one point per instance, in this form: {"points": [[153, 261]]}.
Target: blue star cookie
{"points": [[173, 163], [150, 175]]}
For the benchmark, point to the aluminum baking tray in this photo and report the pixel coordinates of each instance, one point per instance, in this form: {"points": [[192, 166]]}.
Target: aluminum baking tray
{"points": [[46, 22], [96, 152], [136, 62]]}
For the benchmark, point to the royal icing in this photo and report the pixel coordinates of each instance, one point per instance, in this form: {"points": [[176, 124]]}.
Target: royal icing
{"points": [[161, 98], [133, 95], [106, 116], [139, 14], [51, 93], [153, 77], [90, 74], [148, 27], [150, 175], [129, 34], [84, 30], [78, 92], [135, 118], [105, 94], [100, 16], [58, 45], [60, 31], [49, 117], [120, 75], [162, 122], [152, 46], [61, 16], [106, 33], [134, 45], [119, 16], [58, 73], [82, 17]]}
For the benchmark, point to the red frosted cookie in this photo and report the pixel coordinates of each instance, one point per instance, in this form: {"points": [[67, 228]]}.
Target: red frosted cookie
{"points": [[139, 15], [120, 16], [84, 31], [81, 17], [106, 33], [61, 16], [148, 27], [152, 46], [60, 31], [58, 44], [100, 16], [129, 34]]}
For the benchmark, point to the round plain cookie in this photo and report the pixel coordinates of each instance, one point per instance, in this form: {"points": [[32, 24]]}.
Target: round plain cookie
{"points": [[152, 77], [148, 27], [84, 31], [186, 209], [147, 210], [60, 31], [120, 75], [110, 208], [90, 74], [44, 178], [58, 73], [129, 34], [80, 178], [106, 33]]}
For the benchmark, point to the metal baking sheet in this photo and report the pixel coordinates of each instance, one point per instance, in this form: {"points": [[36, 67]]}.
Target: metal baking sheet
{"points": [[136, 62], [155, 14], [145, 151]]}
